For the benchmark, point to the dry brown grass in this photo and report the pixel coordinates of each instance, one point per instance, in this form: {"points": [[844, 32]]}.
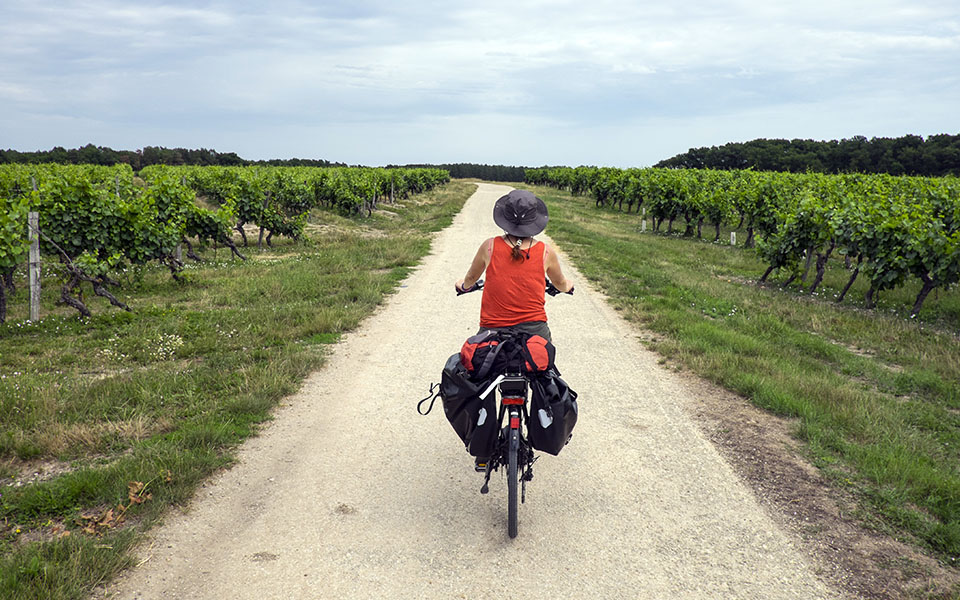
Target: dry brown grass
{"points": [[58, 438]]}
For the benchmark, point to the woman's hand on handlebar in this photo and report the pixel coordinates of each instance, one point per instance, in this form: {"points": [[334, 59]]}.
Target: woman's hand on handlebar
{"points": [[461, 290], [553, 290]]}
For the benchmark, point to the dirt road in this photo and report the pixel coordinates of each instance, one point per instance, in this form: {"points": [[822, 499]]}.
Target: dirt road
{"points": [[349, 493]]}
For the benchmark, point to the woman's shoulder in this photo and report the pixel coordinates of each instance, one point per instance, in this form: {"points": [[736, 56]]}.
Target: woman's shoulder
{"points": [[548, 250], [487, 245]]}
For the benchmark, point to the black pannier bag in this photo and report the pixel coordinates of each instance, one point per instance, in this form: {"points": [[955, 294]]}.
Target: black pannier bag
{"points": [[553, 412], [473, 419], [483, 438], [467, 374]]}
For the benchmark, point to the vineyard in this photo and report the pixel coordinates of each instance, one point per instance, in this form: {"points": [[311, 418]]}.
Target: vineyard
{"points": [[158, 398], [887, 229], [98, 221]]}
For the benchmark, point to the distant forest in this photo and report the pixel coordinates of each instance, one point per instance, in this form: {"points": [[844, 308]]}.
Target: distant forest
{"points": [[155, 155], [477, 171], [149, 155], [937, 155]]}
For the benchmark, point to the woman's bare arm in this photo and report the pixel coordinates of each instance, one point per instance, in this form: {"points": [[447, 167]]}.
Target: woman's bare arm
{"points": [[477, 267], [554, 273]]}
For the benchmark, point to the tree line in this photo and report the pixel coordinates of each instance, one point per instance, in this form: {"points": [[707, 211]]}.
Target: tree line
{"points": [[477, 171], [203, 157], [150, 155], [935, 156]]}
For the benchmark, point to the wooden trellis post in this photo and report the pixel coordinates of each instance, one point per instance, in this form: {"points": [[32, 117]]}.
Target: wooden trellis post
{"points": [[33, 221]]}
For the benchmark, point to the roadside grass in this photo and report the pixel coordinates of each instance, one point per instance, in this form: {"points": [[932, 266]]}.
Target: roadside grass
{"points": [[108, 421], [876, 395]]}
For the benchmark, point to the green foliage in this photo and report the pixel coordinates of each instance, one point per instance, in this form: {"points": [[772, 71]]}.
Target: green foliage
{"points": [[476, 171], [100, 223], [936, 156], [279, 198], [148, 155], [897, 228], [14, 242]]}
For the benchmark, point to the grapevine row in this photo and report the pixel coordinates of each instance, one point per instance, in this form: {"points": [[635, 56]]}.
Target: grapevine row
{"points": [[277, 199], [99, 220], [889, 229]]}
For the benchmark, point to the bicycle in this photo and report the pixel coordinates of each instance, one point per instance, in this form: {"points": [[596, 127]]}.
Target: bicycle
{"points": [[513, 450]]}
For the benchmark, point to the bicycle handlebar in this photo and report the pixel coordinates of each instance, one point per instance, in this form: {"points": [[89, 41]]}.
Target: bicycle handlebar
{"points": [[553, 291], [550, 289]]}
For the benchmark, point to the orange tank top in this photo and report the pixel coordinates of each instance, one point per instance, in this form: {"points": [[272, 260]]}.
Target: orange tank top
{"points": [[513, 292]]}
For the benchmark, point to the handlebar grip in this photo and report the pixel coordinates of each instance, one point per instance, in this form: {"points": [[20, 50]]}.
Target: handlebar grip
{"points": [[477, 286], [553, 291]]}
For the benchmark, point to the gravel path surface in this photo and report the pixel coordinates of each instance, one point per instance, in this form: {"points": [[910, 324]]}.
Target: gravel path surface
{"points": [[350, 493]]}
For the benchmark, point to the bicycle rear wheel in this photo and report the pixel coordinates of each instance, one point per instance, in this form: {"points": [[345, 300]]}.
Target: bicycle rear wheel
{"points": [[513, 449]]}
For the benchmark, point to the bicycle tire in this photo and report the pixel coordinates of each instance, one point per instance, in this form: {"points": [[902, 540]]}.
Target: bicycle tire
{"points": [[513, 450]]}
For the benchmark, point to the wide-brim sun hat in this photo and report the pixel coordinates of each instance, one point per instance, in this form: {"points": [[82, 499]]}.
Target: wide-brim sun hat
{"points": [[520, 213]]}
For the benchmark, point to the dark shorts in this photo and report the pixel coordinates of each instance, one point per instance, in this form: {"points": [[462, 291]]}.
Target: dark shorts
{"points": [[530, 327]]}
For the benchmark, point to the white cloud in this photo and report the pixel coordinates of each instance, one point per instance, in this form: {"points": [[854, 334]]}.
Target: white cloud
{"points": [[428, 78], [16, 92]]}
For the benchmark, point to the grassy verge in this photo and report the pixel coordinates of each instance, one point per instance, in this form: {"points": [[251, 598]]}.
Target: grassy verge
{"points": [[876, 395], [106, 422]]}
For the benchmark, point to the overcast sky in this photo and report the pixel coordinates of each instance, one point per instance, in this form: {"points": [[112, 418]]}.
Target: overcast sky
{"points": [[519, 82]]}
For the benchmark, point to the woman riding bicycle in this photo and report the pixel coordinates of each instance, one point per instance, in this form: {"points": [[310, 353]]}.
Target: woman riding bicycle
{"points": [[516, 266]]}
